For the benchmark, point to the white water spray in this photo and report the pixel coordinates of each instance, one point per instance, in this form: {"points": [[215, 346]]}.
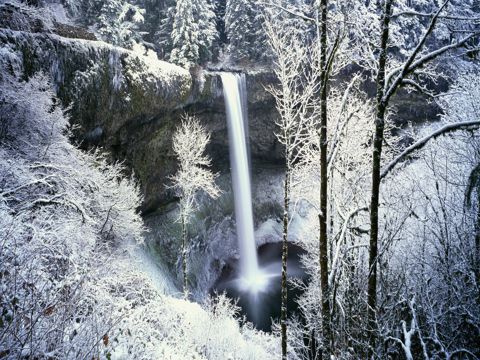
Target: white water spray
{"points": [[234, 90]]}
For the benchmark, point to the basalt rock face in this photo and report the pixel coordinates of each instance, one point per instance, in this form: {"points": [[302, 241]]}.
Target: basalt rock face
{"points": [[146, 144]]}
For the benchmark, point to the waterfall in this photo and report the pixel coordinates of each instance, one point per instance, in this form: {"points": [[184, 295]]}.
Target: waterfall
{"points": [[234, 90], [242, 86]]}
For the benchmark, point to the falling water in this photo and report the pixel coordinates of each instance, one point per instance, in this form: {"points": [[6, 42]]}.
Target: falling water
{"points": [[234, 91], [242, 86]]}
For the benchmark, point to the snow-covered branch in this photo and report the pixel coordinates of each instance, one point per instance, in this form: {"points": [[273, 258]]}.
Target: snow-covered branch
{"points": [[422, 142]]}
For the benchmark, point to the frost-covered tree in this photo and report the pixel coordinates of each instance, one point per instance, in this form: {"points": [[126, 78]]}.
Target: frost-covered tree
{"points": [[115, 21], [162, 34], [347, 173], [118, 22], [193, 32], [63, 213], [293, 98], [244, 30], [325, 29], [208, 34], [193, 175], [185, 35], [413, 68], [435, 254]]}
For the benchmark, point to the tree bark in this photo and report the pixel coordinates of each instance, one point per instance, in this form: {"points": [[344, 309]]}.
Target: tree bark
{"points": [[283, 315], [376, 163], [477, 246], [184, 257], [323, 216]]}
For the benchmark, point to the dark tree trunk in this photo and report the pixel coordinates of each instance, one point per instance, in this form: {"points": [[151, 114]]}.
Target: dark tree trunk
{"points": [[184, 257], [283, 315], [376, 163], [477, 246], [323, 216]]}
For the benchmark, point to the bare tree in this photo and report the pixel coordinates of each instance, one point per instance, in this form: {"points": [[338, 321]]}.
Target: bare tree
{"points": [[193, 175], [408, 71], [293, 97], [324, 61]]}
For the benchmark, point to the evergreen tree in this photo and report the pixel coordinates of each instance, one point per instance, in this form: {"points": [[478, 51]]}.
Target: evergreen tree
{"points": [[184, 35], [154, 34], [243, 25], [116, 21], [119, 21], [204, 16], [219, 8], [193, 32], [163, 35]]}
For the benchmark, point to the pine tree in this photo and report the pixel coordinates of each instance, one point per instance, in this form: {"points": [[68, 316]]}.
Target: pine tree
{"points": [[219, 8], [158, 25], [204, 16], [184, 35], [163, 34], [243, 25], [193, 32], [119, 21], [116, 21]]}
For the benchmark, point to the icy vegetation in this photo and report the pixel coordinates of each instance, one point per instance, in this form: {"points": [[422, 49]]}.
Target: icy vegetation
{"points": [[71, 285], [366, 167]]}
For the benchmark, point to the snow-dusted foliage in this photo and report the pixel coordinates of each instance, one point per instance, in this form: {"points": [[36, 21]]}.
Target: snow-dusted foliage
{"points": [[348, 182], [119, 21], [63, 214], [70, 286], [193, 175], [115, 21], [433, 256], [341, 110], [244, 30], [193, 32], [163, 27], [185, 35]]}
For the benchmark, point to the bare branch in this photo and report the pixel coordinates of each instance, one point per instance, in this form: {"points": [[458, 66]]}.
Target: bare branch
{"points": [[407, 67], [446, 17], [291, 12], [422, 142]]}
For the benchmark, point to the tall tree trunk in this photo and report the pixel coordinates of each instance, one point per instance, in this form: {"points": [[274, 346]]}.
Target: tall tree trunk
{"points": [[184, 256], [323, 216], [477, 245], [376, 163], [283, 315]]}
